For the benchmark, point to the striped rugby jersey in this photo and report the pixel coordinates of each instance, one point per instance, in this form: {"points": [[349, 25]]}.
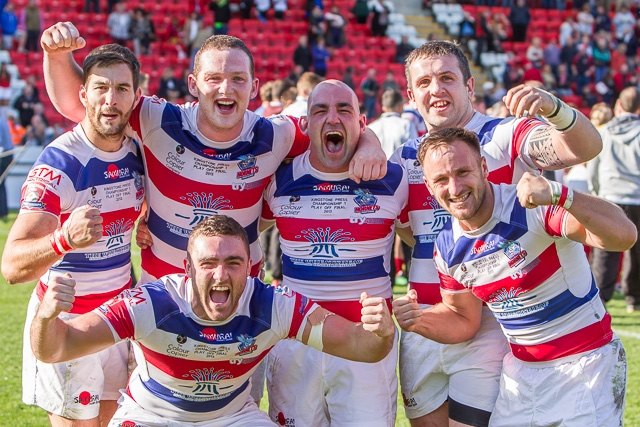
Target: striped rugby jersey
{"points": [[71, 172], [503, 143], [537, 283], [199, 369], [190, 177], [336, 235]]}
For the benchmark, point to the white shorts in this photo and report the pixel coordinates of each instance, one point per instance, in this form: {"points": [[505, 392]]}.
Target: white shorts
{"points": [[468, 372], [585, 392], [75, 388], [309, 388], [130, 414]]}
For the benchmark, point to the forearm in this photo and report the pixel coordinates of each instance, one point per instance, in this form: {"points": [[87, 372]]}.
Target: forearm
{"points": [[63, 79], [47, 338], [28, 259], [441, 324], [602, 224], [580, 144]]}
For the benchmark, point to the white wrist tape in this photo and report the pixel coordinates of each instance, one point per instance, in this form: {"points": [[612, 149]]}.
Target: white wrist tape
{"points": [[315, 336], [563, 117]]}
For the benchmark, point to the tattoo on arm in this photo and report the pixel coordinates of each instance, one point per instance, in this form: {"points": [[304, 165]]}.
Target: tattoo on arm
{"points": [[541, 149]]}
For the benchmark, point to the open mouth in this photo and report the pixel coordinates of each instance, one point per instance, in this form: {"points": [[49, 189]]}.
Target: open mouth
{"points": [[225, 106], [334, 141], [440, 105], [458, 200], [110, 116], [219, 294]]}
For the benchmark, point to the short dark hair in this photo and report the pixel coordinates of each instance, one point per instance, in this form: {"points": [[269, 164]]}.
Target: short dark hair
{"points": [[222, 42], [630, 99], [108, 55], [218, 225], [391, 98], [443, 137], [436, 48]]}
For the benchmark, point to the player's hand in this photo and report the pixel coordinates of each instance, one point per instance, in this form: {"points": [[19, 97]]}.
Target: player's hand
{"points": [[143, 236], [368, 163], [376, 317], [62, 37], [84, 226], [533, 190], [407, 310], [528, 101], [59, 297]]}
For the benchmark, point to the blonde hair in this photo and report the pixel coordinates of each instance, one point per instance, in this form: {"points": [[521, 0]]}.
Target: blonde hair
{"points": [[600, 114]]}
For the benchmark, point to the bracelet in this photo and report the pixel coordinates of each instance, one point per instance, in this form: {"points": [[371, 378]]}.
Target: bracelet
{"points": [[561, 195], [59, 243], [563, 117]]}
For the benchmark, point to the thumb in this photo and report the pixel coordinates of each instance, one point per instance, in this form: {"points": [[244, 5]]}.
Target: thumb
{"points": [[81, 42], [363, 296], [413, 295]]}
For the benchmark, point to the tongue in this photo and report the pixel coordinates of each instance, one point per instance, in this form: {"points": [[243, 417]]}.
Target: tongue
{"points": [[225, 107], [334, 147], [219, 297]]}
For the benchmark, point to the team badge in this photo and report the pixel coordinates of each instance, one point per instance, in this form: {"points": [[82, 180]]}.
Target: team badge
{"points": [[180, 149], [248, 168], [514, 252], [367, 202], [247, 345], [34, 195]]}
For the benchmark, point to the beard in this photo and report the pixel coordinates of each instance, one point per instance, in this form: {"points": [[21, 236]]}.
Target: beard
{"points": [[116, 130]]}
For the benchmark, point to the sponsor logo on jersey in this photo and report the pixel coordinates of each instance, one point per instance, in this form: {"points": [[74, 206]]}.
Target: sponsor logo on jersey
{"points": [[304, 301], [210, 334], [327, 187], [116, 231], [510, 299], [47, 174], [248, 168], [284, 421], [180, 149], [294, 199], [114, 172], [204, 206], [137, 183], [85, 398], [209, 152], [416, 163], [284, 291], [94, 191], [247, 345], [34, 195], [324, 242], [480, 246], [514, 252], [208, 381], [367, 202], [181, 339]]}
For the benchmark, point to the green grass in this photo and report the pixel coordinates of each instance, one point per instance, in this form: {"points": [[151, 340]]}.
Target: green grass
{"points": [[13, 306]]}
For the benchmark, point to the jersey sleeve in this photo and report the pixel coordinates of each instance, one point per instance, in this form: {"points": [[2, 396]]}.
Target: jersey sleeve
{"points": [[149, 108], [45, 189], [555, 219], [290, 310], [122, 314], [447, 282]]}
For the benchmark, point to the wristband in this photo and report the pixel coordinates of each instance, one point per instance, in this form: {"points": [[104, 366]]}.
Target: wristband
{"points": [[556, 191], [563, 117], [59, 243], [561, 195]]}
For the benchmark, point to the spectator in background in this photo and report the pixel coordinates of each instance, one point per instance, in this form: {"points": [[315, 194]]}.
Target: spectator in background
{"points": [[380, 19], [548, 77], [551, 56], [564, 81], [317, 25], [568, 29], [6, 156], [191, 28], [403, 49], [92, 4], [25, 103], [265, 97], [624, 21], [31, 23], [304, 86], [622, 78], [519, 17], [245, 8], [602, 20], [38, 133], [204, 32], [303, 56], [567, 53], [582, 69], [288, 97], [615, 176], [390, 82], [361, 11], [141, 31], [9, 24], [391, 128], [619, 56], [630, 39], [143, 84], [348, 78], [275, 103], [335, 31], [16, 129], [585, 20], [169, 86], [531, 73], [119, 22], [279, 7], [601, 54], [295, 74], [262, 7], [370, 88], [185, 95], [320, 57], [222, 15], [535, 53]]}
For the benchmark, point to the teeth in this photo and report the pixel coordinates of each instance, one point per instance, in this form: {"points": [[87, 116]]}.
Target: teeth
{"points": [[334, 132], [220, 288], [225, 102], [459, 199], [439, 104]]}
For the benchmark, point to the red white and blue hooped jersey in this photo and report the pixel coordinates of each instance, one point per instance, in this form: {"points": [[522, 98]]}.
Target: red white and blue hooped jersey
{"points": [[200, 369], [335, 235], [504, 145], [190, 177], [72, 172], [537, 283]]}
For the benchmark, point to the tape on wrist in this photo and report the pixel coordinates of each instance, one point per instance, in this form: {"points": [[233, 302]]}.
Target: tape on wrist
{"points": [[59, 243], [561, 195], [315, 336], [563, 117], [556, 191]]}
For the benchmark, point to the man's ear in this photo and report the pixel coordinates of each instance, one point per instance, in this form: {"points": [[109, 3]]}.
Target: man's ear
{"points": [[362, 121], [187, 265], [193, 89], [83, 96], [303, 124]]}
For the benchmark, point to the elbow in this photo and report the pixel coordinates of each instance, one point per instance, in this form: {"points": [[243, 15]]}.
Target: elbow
{"points": [[630, 238], [14, 275], [385, 347]]}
